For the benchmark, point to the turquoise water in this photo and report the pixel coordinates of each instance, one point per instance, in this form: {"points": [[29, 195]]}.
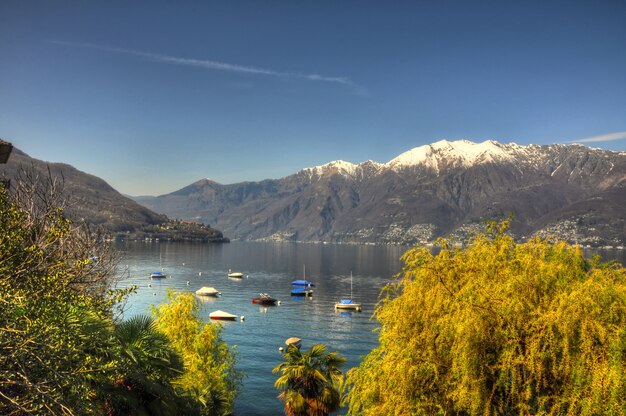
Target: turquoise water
{"points": [[269, 267]]}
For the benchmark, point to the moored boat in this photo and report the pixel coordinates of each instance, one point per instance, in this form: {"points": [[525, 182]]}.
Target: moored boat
{"points": [[207, 291], [302, 283], [295, 341], [235, 274], [299, 287], [157, 275], [264, 299], [222, 315], [301, 291], [348, 303]]}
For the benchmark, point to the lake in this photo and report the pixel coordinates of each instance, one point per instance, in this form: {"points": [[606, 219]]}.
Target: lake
{"points": [[270, 267]]}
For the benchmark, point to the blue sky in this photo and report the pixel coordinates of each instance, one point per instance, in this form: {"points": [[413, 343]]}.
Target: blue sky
{"points": [[153, 96]]}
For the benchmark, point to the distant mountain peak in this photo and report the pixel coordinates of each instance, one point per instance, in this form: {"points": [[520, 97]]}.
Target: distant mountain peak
{"points": [[336, 166], [459, 152]]}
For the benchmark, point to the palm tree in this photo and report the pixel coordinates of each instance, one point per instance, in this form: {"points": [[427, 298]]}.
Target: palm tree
{"points": [[148, 364], [311, 381]]}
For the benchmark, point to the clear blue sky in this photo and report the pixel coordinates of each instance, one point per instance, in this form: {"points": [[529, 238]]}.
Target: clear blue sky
{"points": [[153, 96]]}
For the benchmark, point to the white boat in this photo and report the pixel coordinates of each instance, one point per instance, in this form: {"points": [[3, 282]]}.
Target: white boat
{"points": [[207, 291], [348, 304], [222, 315], [235, 274], [295, 341]]}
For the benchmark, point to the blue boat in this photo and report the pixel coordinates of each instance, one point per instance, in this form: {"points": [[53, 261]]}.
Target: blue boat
{"points": [[302, 283], [298, 287], [301, 291], [157, 275]]}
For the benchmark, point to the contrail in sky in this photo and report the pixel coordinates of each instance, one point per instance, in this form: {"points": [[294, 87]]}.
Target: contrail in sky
{"points": [[215, 65], [603, 138]]}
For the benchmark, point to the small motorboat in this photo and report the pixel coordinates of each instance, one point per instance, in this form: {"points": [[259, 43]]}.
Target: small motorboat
{"points": [[236, 275], [208, 291], [225, 316], [157, 275], [264, 299]]}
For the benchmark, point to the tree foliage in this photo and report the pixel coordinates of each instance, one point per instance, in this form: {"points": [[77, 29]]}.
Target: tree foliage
{"points": [[312, 383], [146, 365], [209, 376], [498, 328], [63, 349], [55, 306]]}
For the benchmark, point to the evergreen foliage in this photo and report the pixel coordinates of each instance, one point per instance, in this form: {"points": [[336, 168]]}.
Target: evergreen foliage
{"points": [[498, 328], [312, 383]]}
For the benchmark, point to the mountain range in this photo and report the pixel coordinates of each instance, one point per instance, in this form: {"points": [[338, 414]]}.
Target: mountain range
{"points": [[92, 200], [447, 188]]}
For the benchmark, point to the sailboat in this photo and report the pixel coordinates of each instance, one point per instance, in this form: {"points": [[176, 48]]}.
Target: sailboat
{"points": [[158, 274], [348, 304], [299, 287]]}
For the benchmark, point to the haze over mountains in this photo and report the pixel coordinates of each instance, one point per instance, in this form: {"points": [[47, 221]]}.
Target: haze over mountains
{"points": [[572, 191]]}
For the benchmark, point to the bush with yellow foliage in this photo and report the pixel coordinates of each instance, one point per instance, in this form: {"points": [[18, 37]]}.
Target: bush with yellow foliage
{"points": [[498, 328]]}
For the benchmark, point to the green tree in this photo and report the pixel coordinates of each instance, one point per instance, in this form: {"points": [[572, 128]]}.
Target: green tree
{"points": [[311, 381], [55, 307], [210, 377], [498, 328], [62, 349], [147, 365]]}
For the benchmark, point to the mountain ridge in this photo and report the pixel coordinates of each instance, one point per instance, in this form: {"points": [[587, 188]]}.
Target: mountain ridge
{"points": [[441, 189], [94, 201]]}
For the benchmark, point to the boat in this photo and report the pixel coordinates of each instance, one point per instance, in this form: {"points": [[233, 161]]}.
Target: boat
{"points": [[225, 316], [207, 291], [295, 341], [301, 291], [235, 274], [298, 287], [348, 303], [302, 283], [158, 274], [264, 299]]}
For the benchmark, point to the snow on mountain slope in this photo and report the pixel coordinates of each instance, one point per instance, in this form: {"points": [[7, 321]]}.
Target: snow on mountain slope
{"points": [[336, 166], [460, 153], [457, 153]]}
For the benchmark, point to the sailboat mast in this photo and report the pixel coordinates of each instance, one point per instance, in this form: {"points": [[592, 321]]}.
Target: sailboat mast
{"points": [[350, 284]]}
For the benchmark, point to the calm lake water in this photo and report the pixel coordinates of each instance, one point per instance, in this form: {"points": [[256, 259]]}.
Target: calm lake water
{"points": [[270, 267]]}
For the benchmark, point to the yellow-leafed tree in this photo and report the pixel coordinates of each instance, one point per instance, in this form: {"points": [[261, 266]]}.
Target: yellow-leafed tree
{"points": [[210, 377], [498, 328]]}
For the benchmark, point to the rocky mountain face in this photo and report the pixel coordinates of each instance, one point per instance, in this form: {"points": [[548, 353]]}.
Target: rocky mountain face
{"points": [[443, 189], [90, 199]]}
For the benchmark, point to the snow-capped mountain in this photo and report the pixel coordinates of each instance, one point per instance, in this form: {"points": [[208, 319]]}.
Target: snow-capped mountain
{"points": [[446, 187]]}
